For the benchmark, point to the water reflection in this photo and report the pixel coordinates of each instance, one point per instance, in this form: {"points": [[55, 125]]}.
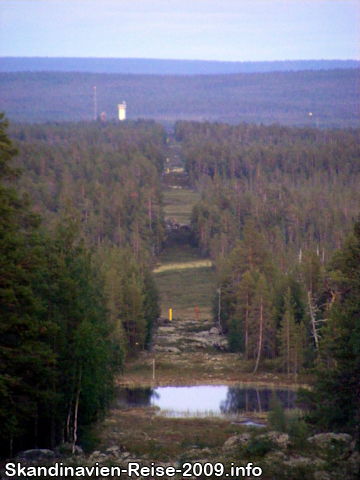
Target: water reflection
{"points": [[134, 397], [240, 399], [201, 400]]}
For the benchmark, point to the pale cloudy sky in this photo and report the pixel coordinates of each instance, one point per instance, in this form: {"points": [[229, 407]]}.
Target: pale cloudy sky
{"points": [[228, 30]]}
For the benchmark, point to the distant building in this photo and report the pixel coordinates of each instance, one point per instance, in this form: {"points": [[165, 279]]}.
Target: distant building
{"points": [[122, 111]]}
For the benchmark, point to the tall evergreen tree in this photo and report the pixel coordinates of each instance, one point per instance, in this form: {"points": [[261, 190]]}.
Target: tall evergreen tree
{"points": [[261, 328], [25, 356], [335, 402], [289, 338]]}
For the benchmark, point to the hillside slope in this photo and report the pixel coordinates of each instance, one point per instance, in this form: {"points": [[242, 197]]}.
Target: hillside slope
{"points": [[283, 97]]}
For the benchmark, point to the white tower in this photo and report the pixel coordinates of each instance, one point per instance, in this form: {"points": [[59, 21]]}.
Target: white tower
{"points": [[122, 111]]}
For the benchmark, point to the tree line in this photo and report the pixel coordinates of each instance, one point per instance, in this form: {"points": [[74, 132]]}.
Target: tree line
{"points": [[80, 219]]}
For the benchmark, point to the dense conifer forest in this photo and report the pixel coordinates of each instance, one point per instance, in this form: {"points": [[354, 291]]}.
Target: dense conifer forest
{"points": [[277, 213], [77, 295], [81, 223]]}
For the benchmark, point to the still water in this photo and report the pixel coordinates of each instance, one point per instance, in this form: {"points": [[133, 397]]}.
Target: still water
{"points": [[206, 399]]}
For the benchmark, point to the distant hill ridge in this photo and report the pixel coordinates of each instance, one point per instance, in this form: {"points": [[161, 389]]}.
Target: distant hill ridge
{"points": [[163, 67], [287, 98]]}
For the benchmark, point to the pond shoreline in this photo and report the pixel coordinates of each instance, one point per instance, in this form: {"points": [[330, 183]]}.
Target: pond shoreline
{"points": [[207, 382], [202, 368]]}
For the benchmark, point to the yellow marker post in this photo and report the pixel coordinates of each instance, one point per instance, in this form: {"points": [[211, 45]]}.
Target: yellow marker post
{"points": [[167, 170], [170, 314], [167, 160]]}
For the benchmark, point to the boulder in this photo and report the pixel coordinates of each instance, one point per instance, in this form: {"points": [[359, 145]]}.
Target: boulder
{"points": [[173, 350], [233, 442], [281, 439], [296, 461], [214, 331], [332, 445], [36, 454], [321, 476], [161, 320], [114, 449], [67, 448], [97, 456], [354, 460]]}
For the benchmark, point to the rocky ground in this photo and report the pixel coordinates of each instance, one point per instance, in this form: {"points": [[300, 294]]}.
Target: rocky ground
{"points": [[326, 456], [179, 336]]}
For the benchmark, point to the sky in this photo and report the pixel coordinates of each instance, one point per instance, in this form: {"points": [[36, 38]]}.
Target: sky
{"points": [[225, 30], [193, 399]]}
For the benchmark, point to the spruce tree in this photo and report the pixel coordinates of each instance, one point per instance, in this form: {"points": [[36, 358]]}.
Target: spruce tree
{"points": [[335, 402], [25, 357], [289, 338]]}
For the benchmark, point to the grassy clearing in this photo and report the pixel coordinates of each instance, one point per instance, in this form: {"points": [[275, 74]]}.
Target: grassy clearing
{"points": [[185, 289], [176, 253], [183, 265], [163, 438], [199, 368], [179, 203]]}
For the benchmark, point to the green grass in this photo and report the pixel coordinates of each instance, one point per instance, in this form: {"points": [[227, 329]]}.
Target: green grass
{"points": [[179, 203], [179, 254], [183, 266], [184, 290]]}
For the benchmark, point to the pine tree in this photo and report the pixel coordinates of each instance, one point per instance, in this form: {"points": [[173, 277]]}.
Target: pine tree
{"points": [[244, 297], [261, 324], [289, 338]]}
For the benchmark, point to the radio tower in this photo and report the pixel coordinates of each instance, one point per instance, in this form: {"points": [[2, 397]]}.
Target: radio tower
{"points": [[95, 104]]}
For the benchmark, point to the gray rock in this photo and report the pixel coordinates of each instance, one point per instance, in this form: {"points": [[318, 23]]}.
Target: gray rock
{"points": [[161, 320], [37, 454], [97, 456], [67, 448], [233, 442], [173, 349], [355, 459], [325, 439], [281, 439], [113, 449], [214, 331], [166, 329], [276, 456], [321, 476], [298, 460], [335, 445]]}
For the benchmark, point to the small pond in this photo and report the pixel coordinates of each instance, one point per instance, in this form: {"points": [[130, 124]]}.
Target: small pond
{"points": [[206, 399]]}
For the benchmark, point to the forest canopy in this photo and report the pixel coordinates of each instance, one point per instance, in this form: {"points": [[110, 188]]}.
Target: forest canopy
{"points": [[276, 203], [82, 222], [76, 291]]}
